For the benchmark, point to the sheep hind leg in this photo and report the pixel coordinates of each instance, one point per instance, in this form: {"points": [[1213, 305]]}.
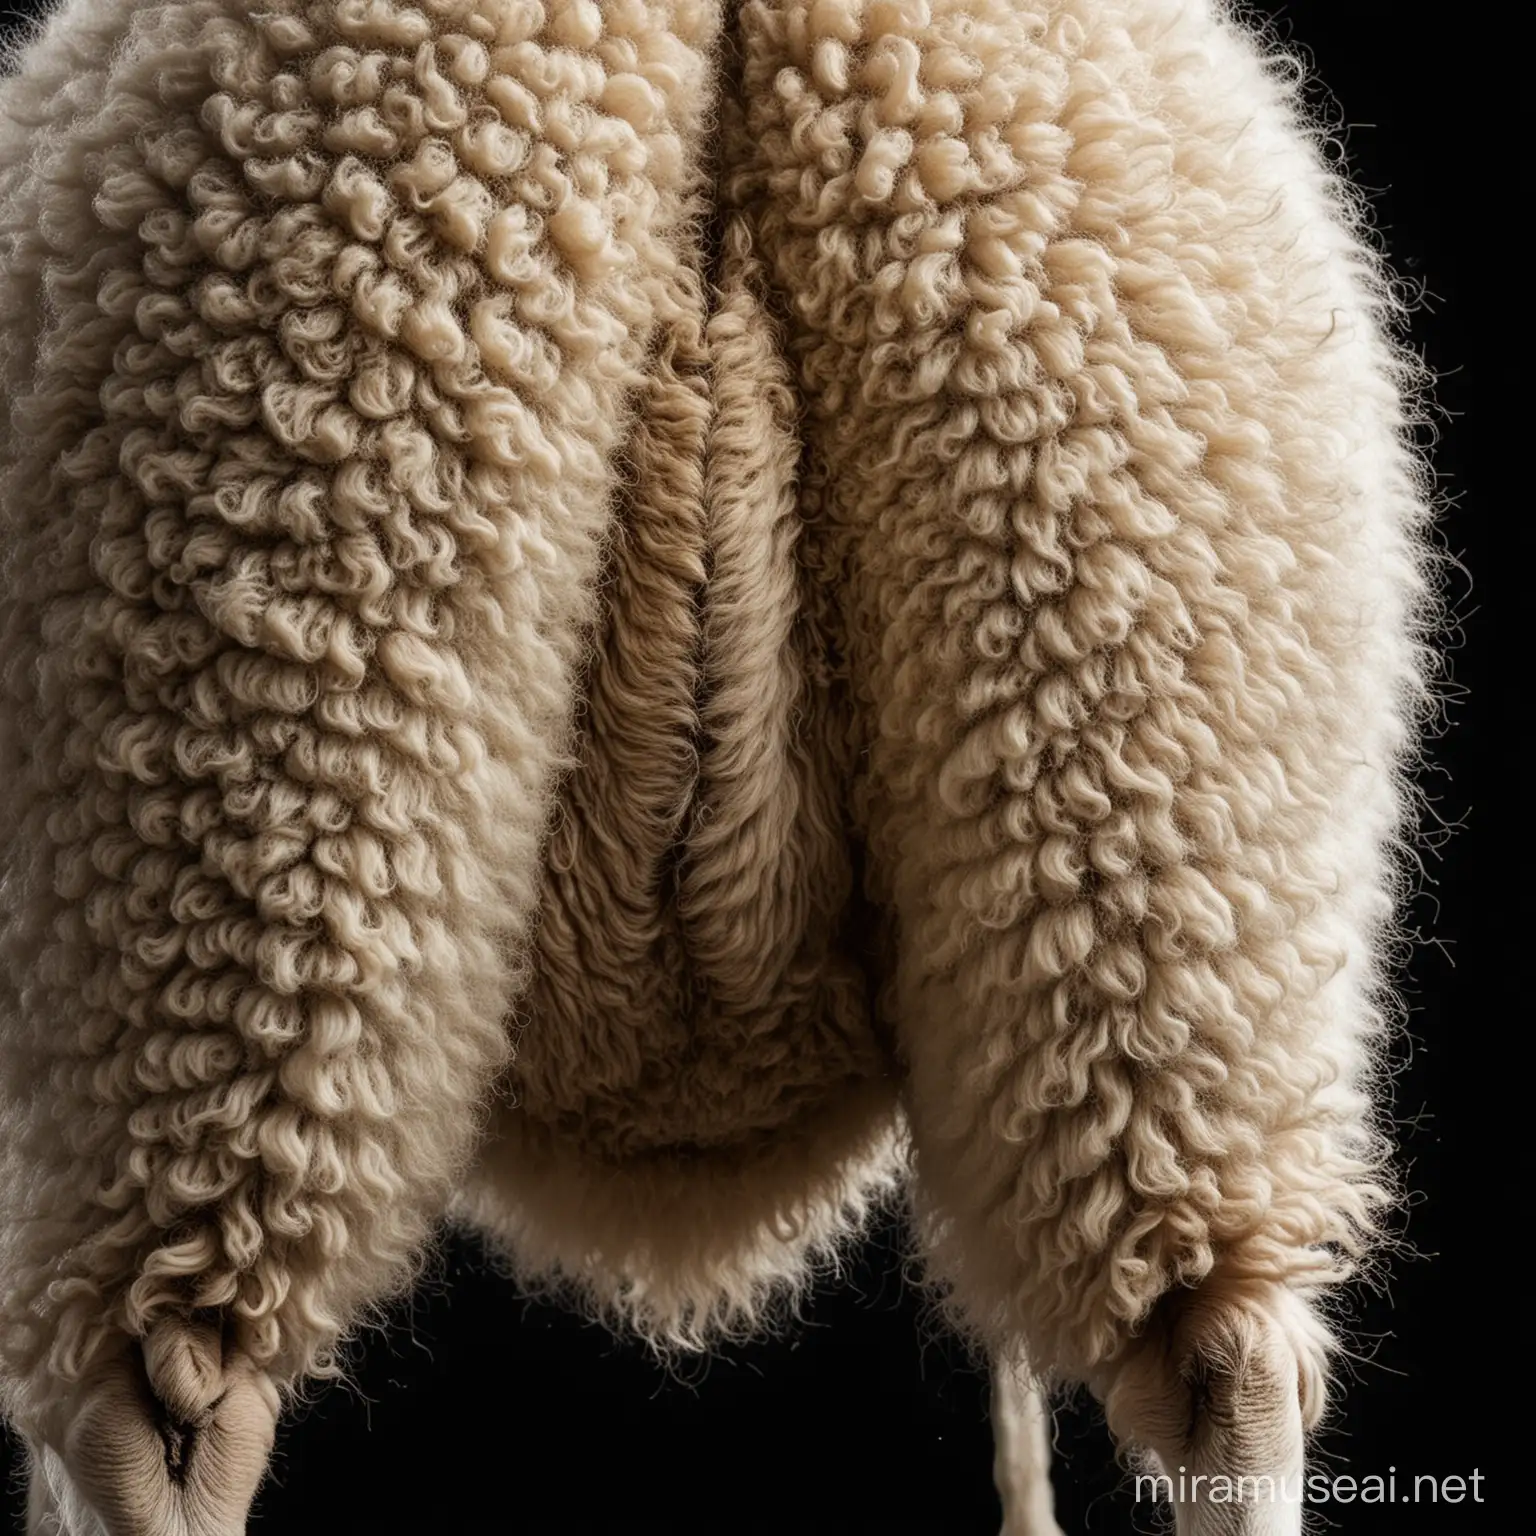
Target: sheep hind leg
{"points": [[1021, 1460], [1220, 1392]]}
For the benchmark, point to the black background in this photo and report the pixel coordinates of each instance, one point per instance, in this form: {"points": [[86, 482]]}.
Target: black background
{"points": [[478, 1411]]}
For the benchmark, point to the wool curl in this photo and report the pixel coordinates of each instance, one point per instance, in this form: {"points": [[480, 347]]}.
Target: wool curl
{"points": [[618, 637]]}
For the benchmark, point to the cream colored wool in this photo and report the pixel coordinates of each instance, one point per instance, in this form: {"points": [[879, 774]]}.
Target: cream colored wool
{"points": [[640, 622]]}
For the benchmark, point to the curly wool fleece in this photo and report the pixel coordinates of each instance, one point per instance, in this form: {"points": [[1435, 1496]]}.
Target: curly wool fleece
{"points": [[621, 620]]}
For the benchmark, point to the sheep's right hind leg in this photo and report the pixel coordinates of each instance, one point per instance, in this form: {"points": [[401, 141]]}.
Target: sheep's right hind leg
{"points": [[1218, 1392]]}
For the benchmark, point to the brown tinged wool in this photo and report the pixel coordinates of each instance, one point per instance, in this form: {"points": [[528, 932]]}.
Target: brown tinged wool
{"points": [[621, 620]]}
